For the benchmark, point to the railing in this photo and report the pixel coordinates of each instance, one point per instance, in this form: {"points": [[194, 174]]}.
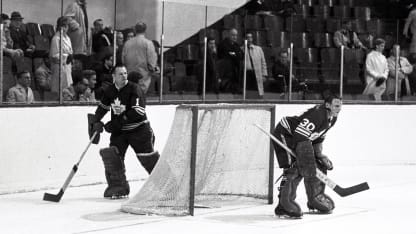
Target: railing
{"points": [[188, 70]]}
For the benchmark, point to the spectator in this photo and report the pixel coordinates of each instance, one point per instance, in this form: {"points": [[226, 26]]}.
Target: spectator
{"points": [[78, 26], [139, 55], [409, 31], [347, 37], [377, 70], [104, 75], [129, 34], [91, 76], [212, 76], [101, 37], [21, 92], [76, 92], [404, 68], [230, 56], [119, 46], [256, 66], [55, 58], [19, 34], [281, 71], [43, 76], [7, 41]]}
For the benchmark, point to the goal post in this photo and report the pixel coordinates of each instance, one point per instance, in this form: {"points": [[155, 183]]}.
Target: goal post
{"points": [[214, 156]]}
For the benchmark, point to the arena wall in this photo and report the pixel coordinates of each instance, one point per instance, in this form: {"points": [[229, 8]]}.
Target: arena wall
{"points": [[39, 145]]}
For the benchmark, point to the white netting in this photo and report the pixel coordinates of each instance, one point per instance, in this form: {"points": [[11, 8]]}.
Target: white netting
{"points": [[232, 161]]}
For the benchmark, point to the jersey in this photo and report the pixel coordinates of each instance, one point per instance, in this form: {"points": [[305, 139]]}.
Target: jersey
{"points": [[309, 126], [131, 97]]}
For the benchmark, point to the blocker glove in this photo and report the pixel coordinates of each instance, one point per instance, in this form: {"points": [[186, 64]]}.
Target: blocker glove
{"points": [[94, 125]]}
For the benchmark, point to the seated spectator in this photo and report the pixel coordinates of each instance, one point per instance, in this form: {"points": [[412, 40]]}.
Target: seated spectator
{"points": [[90, 75], [347, 37], [7, 41], [104, 75], [404, 68], [376, 69], [281, 73], [21, 92], [19, 35], [76, 92]]}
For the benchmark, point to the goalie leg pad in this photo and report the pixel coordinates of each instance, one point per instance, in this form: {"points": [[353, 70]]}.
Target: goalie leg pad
{"points": [[317, 199], [287, 194], [115, 173], [148, 160]]}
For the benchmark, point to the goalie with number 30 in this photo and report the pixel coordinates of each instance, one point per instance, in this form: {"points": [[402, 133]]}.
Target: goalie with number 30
{"points": [[304, 134]]}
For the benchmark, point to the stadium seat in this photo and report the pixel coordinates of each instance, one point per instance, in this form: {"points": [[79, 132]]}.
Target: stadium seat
{"points": [[259, 38], [302, 10], [295, 24], [301, 40], [278, 39], [306, 2], [189, 52], [363, 13], [33, 29], [359, 25], [329, 3], [274, 23], [323, 40], [333, 24], [232, 21], [379, 27], [42, 46], [342, 11], [322, 11], [209, 32], [350, 3], [253, 22], [47, 30], [315, 25], [330, 56]]}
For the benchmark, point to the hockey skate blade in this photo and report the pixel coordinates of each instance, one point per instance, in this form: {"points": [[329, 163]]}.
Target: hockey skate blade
{"points": [[343, 192], [52, 197]]}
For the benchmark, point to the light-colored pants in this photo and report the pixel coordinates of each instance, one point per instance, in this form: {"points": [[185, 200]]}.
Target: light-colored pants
{"points": [[371, 88]]}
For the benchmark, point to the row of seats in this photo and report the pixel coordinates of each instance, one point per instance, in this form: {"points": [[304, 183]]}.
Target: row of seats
{"points": [[298, 23], [350, 3]]}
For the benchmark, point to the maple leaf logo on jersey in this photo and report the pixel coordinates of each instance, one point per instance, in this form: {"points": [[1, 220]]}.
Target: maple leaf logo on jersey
{"points": [[117, 107]]}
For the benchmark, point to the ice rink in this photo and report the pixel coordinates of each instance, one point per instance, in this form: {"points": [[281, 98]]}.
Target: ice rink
{"points": [[388, 207]]}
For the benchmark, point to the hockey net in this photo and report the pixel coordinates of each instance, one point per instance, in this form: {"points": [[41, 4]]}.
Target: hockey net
{"points": [[214, 155]]}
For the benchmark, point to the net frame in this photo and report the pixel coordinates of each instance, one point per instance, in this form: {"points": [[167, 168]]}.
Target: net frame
{"points": [[195, 109]]}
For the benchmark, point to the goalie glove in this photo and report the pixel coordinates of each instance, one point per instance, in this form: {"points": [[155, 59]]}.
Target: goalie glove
{"points": [[324, 160], [94, 125]]}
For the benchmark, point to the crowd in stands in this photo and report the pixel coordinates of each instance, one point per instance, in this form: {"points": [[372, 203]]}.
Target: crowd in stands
{"points": [[72, 60], [75, 61]]}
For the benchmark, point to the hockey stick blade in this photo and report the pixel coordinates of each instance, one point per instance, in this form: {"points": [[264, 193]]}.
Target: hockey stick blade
{"points": [[343, 192], [53, 197]]}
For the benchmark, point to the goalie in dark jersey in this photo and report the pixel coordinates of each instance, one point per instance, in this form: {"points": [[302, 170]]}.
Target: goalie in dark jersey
{"points": [[128, 126], [304, 134]]}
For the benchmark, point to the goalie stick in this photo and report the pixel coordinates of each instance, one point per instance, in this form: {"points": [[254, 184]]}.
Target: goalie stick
{"points": [[57, 197], [343, 192]]}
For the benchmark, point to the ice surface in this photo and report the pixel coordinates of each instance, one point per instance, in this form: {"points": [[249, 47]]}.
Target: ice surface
{"points": [[388, 207]]}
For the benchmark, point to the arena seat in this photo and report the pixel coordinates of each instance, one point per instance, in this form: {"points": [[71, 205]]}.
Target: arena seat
{"points": [[329, 3], [47, 30], [323, 40], [342, 11], [301, 40], [306, 2], [295, 24], [303, 10], [330, 56], [350, 3], [209, 32], [359, 25], [278, 39], [363, 13], [272, 22], [315, 25], [33, 29], [333, 24], [188, 52], [232, 21], [253, 22], [260, 38], [322, 11]]}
